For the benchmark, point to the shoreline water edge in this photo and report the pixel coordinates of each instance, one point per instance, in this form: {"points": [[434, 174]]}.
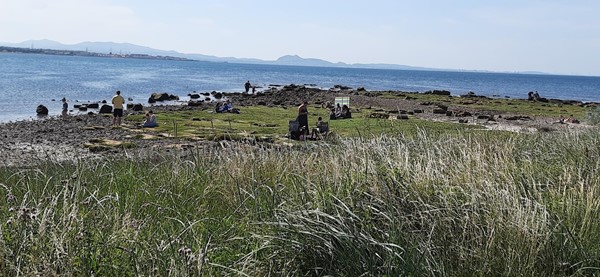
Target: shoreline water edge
{"points": [[30, 80]]}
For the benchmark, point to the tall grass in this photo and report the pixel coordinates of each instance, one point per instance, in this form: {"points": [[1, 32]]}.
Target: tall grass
{"points": [[474, 204]]}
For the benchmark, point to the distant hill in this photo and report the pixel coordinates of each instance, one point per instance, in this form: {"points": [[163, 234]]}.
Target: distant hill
{"points": [[128, 48]]}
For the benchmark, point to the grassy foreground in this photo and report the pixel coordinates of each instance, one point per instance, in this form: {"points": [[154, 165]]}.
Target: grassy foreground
{"points": [[433, 204]]}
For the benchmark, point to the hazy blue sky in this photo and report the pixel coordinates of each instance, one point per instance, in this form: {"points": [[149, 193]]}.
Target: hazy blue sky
{"points": [[557, 36]]}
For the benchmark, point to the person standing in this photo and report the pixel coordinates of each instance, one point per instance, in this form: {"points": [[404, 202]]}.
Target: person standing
{"points": [[247, 86], [65, 108], [117, 102], [303, 118]]}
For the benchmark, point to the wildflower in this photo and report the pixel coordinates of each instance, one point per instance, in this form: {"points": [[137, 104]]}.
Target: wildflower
{"points": [[10, 197]]}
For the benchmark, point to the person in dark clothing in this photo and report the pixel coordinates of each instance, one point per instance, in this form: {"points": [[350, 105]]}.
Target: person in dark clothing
{"points": [[247, 86], [346, 112], [303, 118], [65, 108]]}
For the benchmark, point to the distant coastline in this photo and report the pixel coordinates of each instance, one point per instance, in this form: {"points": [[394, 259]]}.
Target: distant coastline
{"points": [[110, 49], [4, 49]]}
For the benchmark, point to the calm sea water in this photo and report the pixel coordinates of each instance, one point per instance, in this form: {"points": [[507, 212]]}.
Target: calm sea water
{"points": [[28, 80]]}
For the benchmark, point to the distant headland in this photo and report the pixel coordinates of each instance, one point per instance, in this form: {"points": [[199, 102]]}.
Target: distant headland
{"points": [[4, 49], [128, 50]]}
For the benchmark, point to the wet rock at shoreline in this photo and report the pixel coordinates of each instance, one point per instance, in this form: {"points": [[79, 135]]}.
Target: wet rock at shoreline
{"points": [[135, 107], [438, 92], [159, 97], [41, 110], [105, 109]]}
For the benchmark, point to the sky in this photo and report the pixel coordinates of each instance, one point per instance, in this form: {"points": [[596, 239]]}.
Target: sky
{"points": [[553, 36]]}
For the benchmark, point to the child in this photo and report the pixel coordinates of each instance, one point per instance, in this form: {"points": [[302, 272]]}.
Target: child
{"points": [[65, 108]]}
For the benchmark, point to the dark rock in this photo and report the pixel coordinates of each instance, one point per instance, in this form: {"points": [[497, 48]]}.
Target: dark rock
{"points": [[41, 110], [439, 111], [93, 105], [138, 107], [418, 111], [362, 89], [379, 115], [518, 117], [218, 95], [340, 87], [106, 109], [83, 108], [449, 113], [438, 92], [157, 97], [195, 103], [471, 94], [463, 121], [462, 114], [261, 103], [194, 96]]}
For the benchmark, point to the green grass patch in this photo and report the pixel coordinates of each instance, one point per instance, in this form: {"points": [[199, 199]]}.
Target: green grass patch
{"points": [[270, 123]]}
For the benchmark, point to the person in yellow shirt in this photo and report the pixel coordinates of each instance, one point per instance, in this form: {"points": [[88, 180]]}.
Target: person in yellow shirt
{"points": [[117, 102]]}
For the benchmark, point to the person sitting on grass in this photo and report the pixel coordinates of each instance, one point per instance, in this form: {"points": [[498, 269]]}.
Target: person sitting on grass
{"points": [[332, 114], [150, 121], [226, 107], [319, 129], [572, 119], [338, 110], [346, 112]]}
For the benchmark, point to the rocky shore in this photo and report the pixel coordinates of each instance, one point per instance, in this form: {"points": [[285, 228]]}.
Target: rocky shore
{"points": [[26, 143]]}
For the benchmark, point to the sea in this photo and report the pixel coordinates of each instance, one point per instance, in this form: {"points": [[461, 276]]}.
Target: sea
{"points": [[29, 80]]}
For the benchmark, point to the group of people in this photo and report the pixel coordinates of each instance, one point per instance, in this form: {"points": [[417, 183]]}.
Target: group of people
{"points": [[303, 128], [225, 107], [118, 101], [340, 112], [118, 106]]}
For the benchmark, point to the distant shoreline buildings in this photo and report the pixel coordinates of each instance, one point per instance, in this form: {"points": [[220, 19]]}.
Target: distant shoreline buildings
{"points": [[4, 49]]}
